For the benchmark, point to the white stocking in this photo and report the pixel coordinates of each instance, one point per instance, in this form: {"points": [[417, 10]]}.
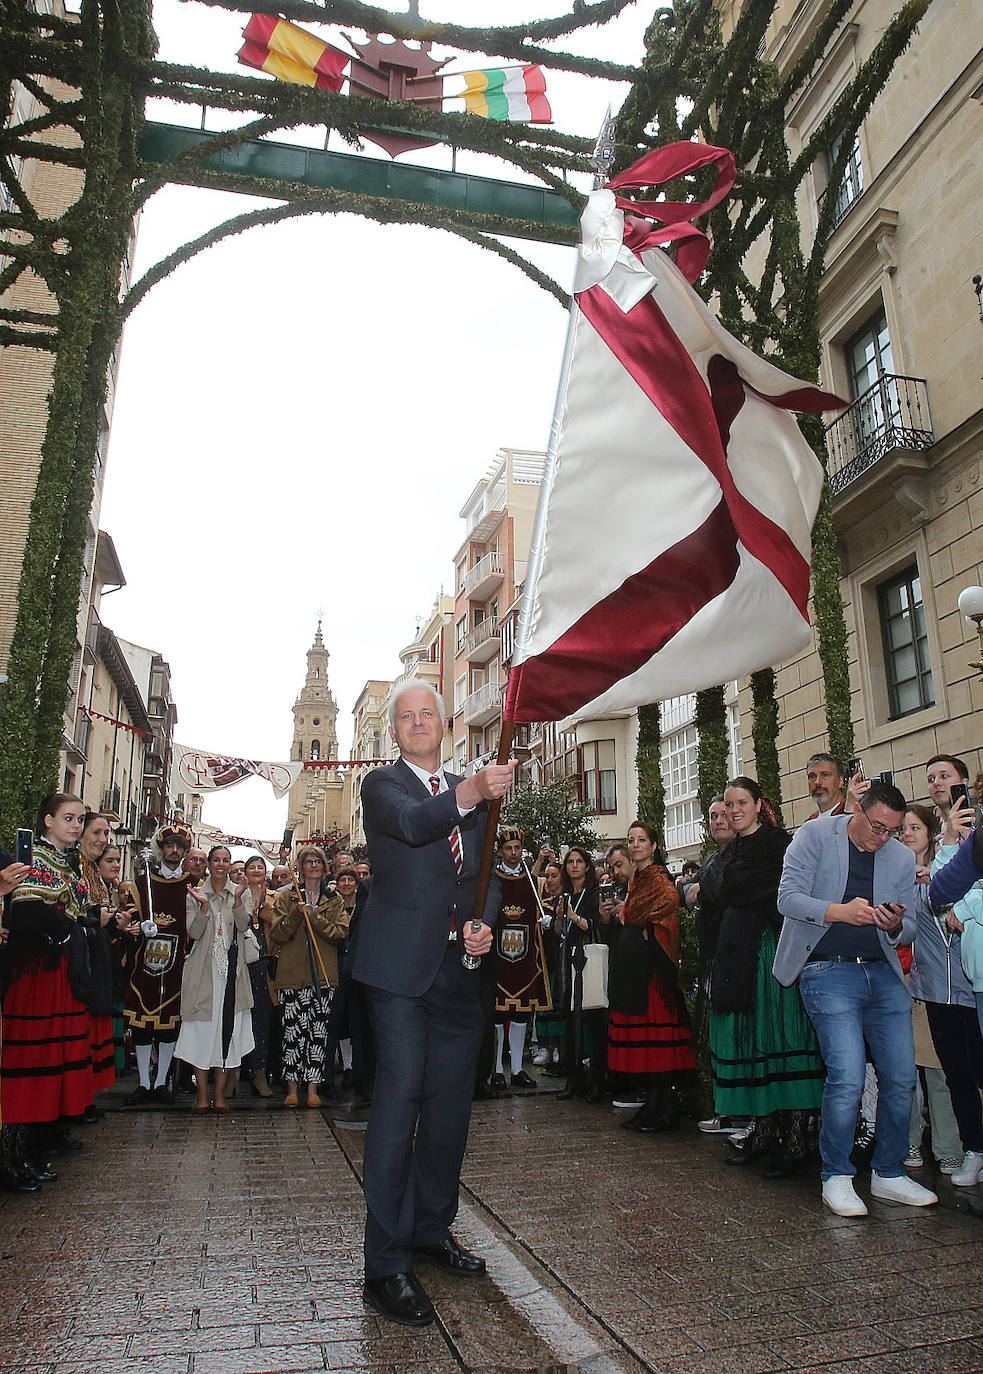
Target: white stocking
{"points": [[517, 1040], [499, 1044], [165, 1053], [143, 1064]]}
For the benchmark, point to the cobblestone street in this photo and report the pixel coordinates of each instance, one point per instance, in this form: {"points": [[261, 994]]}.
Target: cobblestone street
{"points": [[198, 1245]]}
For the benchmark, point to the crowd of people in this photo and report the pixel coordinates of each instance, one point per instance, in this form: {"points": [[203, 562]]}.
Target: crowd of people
{"points": [[205, 975], [837, 1005]]}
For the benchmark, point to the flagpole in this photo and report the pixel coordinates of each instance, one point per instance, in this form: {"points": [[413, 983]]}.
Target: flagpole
{"points": [[491, 827], [537, 544]]}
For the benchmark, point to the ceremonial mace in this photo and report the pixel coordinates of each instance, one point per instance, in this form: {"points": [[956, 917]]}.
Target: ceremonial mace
{"points": [[307, 921]]}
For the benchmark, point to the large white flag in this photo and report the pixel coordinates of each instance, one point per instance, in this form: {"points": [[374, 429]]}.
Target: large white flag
{"points": [[672, 543]]}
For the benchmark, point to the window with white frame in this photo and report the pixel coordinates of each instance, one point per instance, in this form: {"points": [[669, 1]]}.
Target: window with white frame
{"points": [[460, 692], [684, 825], [678, 756]]}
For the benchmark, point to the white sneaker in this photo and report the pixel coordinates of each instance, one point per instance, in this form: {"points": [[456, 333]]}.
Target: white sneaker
{"points": [[970, 1171], [948, 1165], [903, 1189], [540, 1058], [840, 1197], [913, 1159]]}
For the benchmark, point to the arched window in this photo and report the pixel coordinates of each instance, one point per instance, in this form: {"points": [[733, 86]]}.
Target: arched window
{"points": [[315, 748]]}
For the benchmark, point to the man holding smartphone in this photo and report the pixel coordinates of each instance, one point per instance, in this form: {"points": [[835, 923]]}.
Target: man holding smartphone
{"points": [[846, 892]]}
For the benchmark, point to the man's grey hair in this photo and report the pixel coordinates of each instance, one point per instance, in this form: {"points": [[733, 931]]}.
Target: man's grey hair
{"points": [[408, 686]]}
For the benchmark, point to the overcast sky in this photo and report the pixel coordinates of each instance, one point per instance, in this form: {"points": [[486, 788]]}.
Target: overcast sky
{"points": [[301, 413]]}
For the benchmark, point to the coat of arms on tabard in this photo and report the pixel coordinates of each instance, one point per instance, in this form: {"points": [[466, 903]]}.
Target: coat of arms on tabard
{"points": [[159, 953], [513, 940]]}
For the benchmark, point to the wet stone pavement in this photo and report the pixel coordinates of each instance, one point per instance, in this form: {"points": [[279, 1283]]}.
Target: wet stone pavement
{"points": [[180, 1244]]}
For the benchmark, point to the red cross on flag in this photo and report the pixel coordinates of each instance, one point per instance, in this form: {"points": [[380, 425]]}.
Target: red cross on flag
{"points": [[672, 542]]}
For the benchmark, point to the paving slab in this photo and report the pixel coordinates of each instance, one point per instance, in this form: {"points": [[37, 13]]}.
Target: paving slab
{"points": [[181, 1244]]}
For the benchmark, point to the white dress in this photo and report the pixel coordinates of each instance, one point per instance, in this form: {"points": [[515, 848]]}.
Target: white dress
{"points": [[200, 1042]]}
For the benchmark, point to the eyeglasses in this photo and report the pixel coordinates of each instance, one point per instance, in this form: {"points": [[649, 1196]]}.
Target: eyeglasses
{"points": [[883, 831]]}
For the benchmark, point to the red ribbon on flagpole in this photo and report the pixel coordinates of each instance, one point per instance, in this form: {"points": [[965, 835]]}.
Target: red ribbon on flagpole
{"points": [[674, 218]]}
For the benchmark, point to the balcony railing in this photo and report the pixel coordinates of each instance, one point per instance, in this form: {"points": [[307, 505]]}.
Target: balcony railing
{"points": [[483, 704], [111, 802], [484, 639], [487, 570], [891, 414], [83, 728]]}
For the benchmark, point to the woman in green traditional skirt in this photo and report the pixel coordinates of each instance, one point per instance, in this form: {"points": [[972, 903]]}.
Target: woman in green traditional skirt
{"points": [[763, 1049]]}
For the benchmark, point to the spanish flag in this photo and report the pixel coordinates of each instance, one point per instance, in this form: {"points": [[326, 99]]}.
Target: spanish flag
{"points": [[517, 92], [291, 54]]}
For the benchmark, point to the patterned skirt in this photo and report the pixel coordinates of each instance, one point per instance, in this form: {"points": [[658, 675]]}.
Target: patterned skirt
{"points": [[768, 1059], [46, 1062], [649, 1047], [305, 1033]]}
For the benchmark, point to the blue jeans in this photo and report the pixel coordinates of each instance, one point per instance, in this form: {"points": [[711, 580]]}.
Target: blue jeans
{"points": [[848, 1003]]}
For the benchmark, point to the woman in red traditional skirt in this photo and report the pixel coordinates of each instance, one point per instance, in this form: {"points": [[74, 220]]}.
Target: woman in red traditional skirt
{"points": [[650, 1045], [92, 846], [46, 1063]]}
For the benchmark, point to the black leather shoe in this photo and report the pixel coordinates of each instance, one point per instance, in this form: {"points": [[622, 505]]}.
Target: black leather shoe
{"points": [[139, 1097], [38, 1171], [785, 1166], [523, 1080], [499, 1085], [18, 1181], [741, 1156], [484, 1093], [449, 1256], [163, 1096], [399, 1298]]}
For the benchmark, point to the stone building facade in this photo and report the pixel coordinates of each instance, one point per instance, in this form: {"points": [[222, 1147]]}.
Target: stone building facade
{"points": [[902, 342]]}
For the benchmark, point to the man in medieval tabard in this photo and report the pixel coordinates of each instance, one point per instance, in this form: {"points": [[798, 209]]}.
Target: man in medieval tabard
{"points": [[153, 995], [519, 959]]}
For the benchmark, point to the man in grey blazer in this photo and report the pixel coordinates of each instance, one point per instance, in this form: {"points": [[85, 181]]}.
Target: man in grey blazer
{"points": [[424, 830], [848, 895]]}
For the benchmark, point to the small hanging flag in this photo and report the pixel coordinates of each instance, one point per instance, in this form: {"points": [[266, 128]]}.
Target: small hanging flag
{"points": [[291, 54], [516, 92]]}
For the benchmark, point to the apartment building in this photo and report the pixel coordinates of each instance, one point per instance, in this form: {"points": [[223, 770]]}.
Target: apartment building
{"points": [[489, 569]]}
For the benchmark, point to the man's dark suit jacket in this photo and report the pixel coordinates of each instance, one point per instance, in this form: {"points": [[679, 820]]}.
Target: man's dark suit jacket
{"points": [[402, 934]]}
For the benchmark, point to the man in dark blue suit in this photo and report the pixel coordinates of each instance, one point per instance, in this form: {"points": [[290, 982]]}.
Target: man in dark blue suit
{"points": [[424, 830]]}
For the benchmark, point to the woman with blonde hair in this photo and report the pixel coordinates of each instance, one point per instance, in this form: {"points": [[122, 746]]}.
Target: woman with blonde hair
{"points": [[309, 924]]}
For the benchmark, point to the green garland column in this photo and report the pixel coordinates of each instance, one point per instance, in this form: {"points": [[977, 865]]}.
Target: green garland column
{"points": [[764, 733], [713, 750], [648, 763]]}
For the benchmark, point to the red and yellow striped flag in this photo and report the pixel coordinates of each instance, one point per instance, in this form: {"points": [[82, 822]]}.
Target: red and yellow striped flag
{"points": [[291, 54]]}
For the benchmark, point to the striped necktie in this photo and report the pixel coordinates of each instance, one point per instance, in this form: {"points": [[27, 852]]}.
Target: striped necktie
{"points": [[454, 838]]}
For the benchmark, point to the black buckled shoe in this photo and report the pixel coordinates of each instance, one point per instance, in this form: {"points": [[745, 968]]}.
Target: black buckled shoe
{"points": [[399, 1298], [524, 1081], [451, 1258]]}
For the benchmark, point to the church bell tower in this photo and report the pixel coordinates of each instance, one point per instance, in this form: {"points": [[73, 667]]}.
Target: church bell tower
{"points": [[316, 797]]}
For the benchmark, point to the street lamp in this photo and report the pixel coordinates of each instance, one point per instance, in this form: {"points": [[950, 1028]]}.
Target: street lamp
{"points": [[970, 604]]}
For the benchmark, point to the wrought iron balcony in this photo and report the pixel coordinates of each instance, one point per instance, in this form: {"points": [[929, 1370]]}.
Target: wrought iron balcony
{"points": [[891, 414], [111, 803]]}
